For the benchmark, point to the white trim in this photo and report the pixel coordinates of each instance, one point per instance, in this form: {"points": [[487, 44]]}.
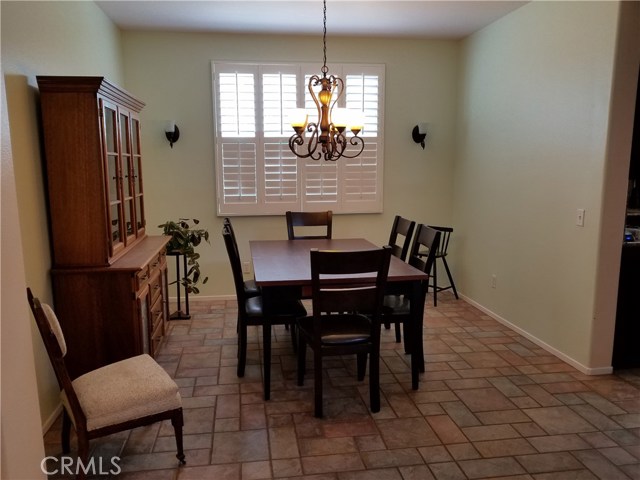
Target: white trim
{"points": [[554, 351], [48, 423]]}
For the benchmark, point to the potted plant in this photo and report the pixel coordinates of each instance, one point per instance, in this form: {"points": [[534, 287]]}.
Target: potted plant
{"points": [[185, 237]]}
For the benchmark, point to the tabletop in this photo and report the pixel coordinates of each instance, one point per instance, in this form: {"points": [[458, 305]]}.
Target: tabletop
{"points": [[286, 262]]}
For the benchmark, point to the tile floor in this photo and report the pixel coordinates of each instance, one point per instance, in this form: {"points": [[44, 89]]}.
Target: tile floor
{"points": [[490, 405]]}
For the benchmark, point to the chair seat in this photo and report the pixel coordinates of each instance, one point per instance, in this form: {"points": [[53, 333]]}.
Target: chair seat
{"points": [[345, 329], [284, 308], [396, 305], [251, 289], [126, 390]]}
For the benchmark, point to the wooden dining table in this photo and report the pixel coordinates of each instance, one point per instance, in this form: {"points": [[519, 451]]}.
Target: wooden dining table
{"points": [[279, 264]]}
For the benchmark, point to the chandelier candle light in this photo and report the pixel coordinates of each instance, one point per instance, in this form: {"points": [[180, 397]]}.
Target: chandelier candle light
{"points": [[329, 131]]}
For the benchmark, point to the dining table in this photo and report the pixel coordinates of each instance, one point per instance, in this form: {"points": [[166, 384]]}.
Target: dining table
{"points": [[284, 266]]}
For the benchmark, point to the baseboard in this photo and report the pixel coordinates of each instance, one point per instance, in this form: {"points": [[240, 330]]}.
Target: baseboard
{"points": [[51, 419], [203, 298], [554, 351]]}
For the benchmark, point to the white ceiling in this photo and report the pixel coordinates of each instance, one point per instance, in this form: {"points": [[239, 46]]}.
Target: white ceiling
{"points": [[412, 18]]}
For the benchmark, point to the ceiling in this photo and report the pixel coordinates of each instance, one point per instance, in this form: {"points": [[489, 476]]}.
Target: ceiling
{"points": [[414, 18]]}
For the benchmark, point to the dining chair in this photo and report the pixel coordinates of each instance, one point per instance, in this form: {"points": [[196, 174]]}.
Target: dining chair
{"points": [[441, 253], [250, 287], [309, 219], [404, 227], [397, 307], [251, 311], [353, 283], [120, 396]]}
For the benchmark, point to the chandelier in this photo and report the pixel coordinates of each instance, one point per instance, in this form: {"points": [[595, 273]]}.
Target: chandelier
{"points": [[326, 138]]}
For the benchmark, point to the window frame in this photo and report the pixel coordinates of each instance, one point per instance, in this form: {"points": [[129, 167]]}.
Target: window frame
{"points": [[363, 175]]}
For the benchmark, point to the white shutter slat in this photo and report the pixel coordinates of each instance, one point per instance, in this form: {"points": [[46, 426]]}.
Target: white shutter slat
{"points": [[257, 174]]}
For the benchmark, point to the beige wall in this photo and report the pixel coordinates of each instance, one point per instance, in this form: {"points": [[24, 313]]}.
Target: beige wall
{"points": [[48, 38], [530, 147], [171, 72], [534, 119]]}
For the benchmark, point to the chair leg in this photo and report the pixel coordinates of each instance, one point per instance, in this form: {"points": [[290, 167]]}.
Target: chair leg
{"points": [[66, 432], [266, 358], [242, 348], [451, 282], [435, 283], [398, 334], [83, 453], [374, 381], [294, 336], [405, 329], [387, 325], [317, 361], [362, 365], [178, 422], [302, 354]]}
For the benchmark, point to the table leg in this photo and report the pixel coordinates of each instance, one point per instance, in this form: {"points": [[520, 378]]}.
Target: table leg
{"points": [[418, 296], [266, 360]]}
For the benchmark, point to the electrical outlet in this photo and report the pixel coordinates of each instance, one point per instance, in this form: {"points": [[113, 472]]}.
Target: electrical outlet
{"points": [[494, 280], [580, 217], [246, 267]]}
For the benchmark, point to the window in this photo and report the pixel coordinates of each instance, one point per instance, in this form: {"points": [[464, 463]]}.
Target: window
{"points": [[256, 172]]}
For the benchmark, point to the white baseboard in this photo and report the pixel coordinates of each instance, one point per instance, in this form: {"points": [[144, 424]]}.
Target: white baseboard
{"points": [[52, 418], [203, 298], [562, 356]]}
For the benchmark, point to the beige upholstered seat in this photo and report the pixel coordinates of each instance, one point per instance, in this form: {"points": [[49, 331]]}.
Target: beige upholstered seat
{"points": [[120, 396], [124, 391]]}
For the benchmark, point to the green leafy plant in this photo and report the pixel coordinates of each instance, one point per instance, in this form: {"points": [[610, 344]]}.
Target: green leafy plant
{"points": [[185, 237]]}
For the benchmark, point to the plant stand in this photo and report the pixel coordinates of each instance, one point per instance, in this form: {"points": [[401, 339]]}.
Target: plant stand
{"points": [[178, 314]]}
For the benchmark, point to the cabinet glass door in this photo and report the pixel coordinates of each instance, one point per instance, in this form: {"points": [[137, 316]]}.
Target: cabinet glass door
{"points": [[127, 179], [114, 175], [137, 175]]}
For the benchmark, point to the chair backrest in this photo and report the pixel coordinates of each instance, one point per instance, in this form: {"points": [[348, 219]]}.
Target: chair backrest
{"points": [[236, 265], [309, 219], [349, 281], [404, 227], [444, 240], [427, 239], [53, 338], [227, 223]]}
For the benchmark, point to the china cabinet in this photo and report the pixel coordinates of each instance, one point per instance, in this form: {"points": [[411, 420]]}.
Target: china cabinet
{"points": [[109, 277]]}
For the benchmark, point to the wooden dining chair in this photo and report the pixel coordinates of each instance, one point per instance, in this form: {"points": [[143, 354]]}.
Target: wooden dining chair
{"points": [[311, 220], [441, 253], [397, 307], [345, 281], [250, 287], [403, 227], [251, 311], [120, 396]]}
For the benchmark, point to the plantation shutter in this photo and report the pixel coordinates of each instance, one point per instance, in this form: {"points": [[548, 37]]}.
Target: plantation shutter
{"points": [[256, 172]]}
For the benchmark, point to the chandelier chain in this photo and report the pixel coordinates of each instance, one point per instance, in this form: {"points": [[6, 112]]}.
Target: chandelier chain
{"points": [[324, 40]]}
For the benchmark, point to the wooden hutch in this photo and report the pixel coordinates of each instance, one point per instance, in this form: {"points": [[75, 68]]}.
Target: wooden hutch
{"points": [[109, 277]]}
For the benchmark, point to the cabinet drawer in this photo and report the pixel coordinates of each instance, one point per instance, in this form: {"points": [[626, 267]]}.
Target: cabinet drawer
{"points": [[155, 287], [142, 277], [157, 315], [158, 261], [158, 333]]}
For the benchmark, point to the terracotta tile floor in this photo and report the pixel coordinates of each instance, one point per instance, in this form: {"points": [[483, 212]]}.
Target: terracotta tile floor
{"points": [[490, 405]]}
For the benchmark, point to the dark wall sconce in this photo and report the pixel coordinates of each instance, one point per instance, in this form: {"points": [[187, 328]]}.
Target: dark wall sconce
{"points": [[419, 133], [172, 132]]}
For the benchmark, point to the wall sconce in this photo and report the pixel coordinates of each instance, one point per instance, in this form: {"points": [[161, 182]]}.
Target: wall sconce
{"points": [[419, 133], [172, 132]]}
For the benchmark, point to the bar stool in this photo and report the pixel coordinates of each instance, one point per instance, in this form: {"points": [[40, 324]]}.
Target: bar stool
{"points": [[441, 253]]}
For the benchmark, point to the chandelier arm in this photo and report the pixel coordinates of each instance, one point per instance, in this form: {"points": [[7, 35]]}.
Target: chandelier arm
{"points": [[324, 134], [355, 141]]}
